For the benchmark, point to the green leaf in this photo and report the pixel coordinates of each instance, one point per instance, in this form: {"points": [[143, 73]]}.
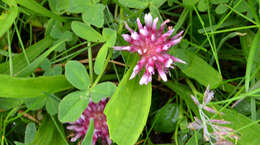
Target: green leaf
{"points": [[52, 105], [157, 3], [254, 50], [19, 61], [102, 90], [109, 36], [76, 74], [94, 15], [30, 132], [220, 9], [47, 134], [138, 4], [88, 139], [35, 103], [166, 118], [72, 106], [203, 5], [7, 19], [85, 31], [31, 87], [238, 122], [36, 7], [32, 66], [78, 6], [197, 68], [59, 6], [130, 106], [8, 103], [189, 3]]}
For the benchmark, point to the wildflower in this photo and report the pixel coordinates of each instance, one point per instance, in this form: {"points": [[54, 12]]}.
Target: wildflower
{"points": [[151, 44], [95, 112], [219, 132]]}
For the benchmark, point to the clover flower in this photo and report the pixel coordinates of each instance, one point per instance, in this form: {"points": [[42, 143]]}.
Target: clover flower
{"points": [[151, 44], [96, 112], [219, 133]]}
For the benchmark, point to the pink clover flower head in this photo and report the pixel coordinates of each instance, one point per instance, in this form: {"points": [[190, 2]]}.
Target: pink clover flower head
{"points": [[96, 112], [151, 44]]}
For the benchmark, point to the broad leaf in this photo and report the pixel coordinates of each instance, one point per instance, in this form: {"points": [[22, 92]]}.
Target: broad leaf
{"points": [[30, 132], [130, 106], [85, 31], [76, 74], [94, 15], [72, 106], [102, 90], [197, 68], [138, 4]]}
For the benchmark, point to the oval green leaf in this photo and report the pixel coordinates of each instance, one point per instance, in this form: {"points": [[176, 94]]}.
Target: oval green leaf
{"points": [[102, 90], [197, 68], [77, 75], [72, 106], [85, 31], [128, 110]]}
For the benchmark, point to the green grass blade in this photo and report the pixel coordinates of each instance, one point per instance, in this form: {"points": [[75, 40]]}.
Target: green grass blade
{"points": [[12, 87], [19, 61], [31, 67]]}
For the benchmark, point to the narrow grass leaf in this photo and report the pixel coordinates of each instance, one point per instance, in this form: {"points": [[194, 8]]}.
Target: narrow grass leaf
{"points": [[88, 139], [7, 19], [31, 67], [251, 58], [12, 87], [36, 7], [19, 61], [47, 134], [109, 36]]}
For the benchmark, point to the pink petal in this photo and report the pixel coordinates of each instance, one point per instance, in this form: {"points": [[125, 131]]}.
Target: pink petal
{"points": [[128, 48], [148, 19], [139, 24], [155, 24], [146, 78], [163, 25], [196, 101]]}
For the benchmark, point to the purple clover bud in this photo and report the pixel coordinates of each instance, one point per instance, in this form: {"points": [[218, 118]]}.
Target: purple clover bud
{"points": [[95, 112], [151, 45]]}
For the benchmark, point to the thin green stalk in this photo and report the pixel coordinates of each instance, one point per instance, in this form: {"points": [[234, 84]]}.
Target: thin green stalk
{"points": [[235, 29], [240, 14], [253, 10], [59, 130], [10, 54], [90, 62], [21, 43], [207, 35]]}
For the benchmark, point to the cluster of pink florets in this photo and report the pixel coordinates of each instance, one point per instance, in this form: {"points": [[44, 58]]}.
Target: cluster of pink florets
{"points": [[96, 112], [151, 44]]}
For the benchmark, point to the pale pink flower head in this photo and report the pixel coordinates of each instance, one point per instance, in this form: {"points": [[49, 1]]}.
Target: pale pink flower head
{"points": [[151, 44], [96, 112]]}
